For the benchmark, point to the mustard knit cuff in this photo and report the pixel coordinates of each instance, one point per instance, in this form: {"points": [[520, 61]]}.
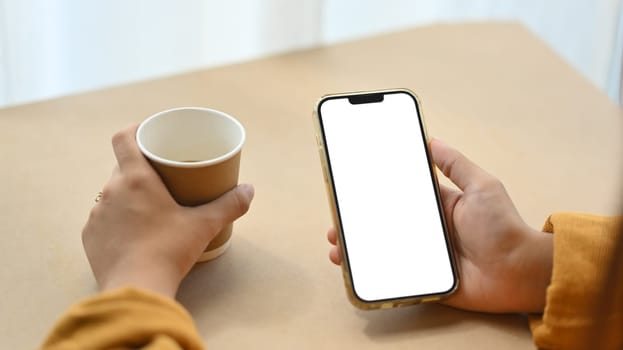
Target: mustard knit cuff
{"points": [[583, 253], [125, 318]]}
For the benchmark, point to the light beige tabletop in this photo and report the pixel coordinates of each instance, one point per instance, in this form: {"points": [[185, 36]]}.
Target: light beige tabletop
{"points": [[492, 90]]}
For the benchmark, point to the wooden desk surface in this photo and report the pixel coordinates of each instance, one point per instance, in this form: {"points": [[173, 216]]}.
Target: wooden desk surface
{"points": [[492, 90]]}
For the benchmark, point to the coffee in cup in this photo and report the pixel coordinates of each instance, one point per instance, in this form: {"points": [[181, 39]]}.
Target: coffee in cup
{"points": [[196, 152]]}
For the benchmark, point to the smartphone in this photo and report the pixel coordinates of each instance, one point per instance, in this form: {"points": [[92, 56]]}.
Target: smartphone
{"points": [[385, 199]]}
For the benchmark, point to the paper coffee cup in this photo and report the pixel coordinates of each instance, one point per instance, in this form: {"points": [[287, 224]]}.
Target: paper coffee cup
{"points": [[196, 152]]}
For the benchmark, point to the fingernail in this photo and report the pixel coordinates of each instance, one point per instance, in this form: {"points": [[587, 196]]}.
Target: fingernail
{"points": [[436, 140], [248, 190]]}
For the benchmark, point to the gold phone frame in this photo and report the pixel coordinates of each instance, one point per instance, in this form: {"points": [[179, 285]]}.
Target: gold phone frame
{"points": [[329, 185]]}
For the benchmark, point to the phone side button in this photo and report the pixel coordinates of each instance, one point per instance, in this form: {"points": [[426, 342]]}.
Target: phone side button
{"points": [[431, 299], [324, 174]]}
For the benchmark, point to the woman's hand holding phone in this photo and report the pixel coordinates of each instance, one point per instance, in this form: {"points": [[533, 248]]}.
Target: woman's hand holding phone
{"points": [[505, 265]]}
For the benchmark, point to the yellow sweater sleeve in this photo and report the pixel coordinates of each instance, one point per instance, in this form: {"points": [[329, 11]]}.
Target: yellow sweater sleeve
{"points": [[125, 319], [584, 304]]}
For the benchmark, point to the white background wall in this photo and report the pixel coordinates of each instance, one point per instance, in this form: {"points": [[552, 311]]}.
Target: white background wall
{"points": [[51, 48]]}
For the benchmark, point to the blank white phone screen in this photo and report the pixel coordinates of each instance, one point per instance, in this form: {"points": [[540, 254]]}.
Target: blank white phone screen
{"points": [[393, 233]]}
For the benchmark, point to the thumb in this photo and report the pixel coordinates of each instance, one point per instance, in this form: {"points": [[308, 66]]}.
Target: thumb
{"points": [[449, 198], [458, 168], [226, 208]]}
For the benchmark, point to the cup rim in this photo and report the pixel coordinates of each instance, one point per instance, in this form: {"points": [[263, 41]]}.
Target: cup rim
{"points": [[178, 164]]}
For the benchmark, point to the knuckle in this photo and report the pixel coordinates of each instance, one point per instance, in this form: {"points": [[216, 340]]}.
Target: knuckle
{"points": [[118, 137], [107, 189], [492, 184], [136, 180], [449, 167], [241, 203]]}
